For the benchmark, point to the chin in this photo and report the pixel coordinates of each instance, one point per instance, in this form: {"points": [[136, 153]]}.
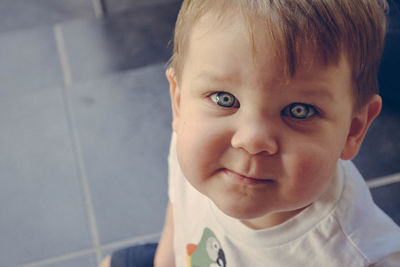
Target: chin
{"points": [[241, 211]]}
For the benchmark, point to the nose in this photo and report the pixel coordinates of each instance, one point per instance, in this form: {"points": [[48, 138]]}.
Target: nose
{"points": [[256, 135]]}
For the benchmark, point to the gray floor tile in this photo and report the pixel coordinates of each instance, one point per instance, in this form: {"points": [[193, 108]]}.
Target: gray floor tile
{"points": [[114, 6], [120, 42], [387, 197], [123, 122], [80, 261], [21, 14], [30, 62], [84, 261], [389, 71], [42, 209], [394, 13], [380, 152]]}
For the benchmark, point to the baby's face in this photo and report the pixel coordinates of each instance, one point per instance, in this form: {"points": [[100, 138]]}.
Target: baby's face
{"points": [[260, 146]]}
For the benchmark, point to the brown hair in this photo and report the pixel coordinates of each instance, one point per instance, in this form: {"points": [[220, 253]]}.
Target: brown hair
{"points": [[331, 27]]}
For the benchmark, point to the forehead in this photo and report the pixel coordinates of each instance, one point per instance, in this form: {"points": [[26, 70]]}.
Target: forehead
{"points": [[260, 31], [220, 44], [248, 40]]}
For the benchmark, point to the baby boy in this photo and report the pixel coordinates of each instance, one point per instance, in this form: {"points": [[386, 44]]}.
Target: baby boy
{"points": [[271, 99]]}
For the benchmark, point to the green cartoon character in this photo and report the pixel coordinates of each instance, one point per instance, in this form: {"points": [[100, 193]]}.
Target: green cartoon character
{"points": [[208, 253]]}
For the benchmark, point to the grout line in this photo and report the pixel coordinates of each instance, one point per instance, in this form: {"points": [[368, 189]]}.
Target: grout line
{"points": [[98, 8], [131, 241], [384, 180], [62, 53], [65, 257], [84, 181], [76, 142], [71, 256]]}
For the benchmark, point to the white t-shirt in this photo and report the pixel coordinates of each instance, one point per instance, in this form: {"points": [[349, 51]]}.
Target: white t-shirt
{"points": [[342, 228]]}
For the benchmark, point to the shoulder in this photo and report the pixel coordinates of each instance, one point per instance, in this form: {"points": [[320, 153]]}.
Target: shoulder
{"points": [[366, 227]]}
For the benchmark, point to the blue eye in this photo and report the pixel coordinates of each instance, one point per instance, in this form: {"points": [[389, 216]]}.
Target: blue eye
{"points": [[224, 99], [299, 111]]}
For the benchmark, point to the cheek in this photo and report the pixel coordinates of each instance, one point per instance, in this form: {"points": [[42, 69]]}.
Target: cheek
{"points": [[200, 145], [313, 154], [309, 171]]}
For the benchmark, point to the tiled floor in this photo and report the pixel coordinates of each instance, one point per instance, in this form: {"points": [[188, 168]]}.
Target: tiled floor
{"points": [[85, 126], [25, 14]]}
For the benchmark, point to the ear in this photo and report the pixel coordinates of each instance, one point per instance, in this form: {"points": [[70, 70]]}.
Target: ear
{"points": [[175, 95], [359, 126]]}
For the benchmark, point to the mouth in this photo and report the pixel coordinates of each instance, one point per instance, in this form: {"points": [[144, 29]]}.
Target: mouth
{"points": [[244, 180]]}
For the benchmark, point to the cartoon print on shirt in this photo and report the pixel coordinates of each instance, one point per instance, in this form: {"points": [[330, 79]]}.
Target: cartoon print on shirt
{"points": [[208, 253]]}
